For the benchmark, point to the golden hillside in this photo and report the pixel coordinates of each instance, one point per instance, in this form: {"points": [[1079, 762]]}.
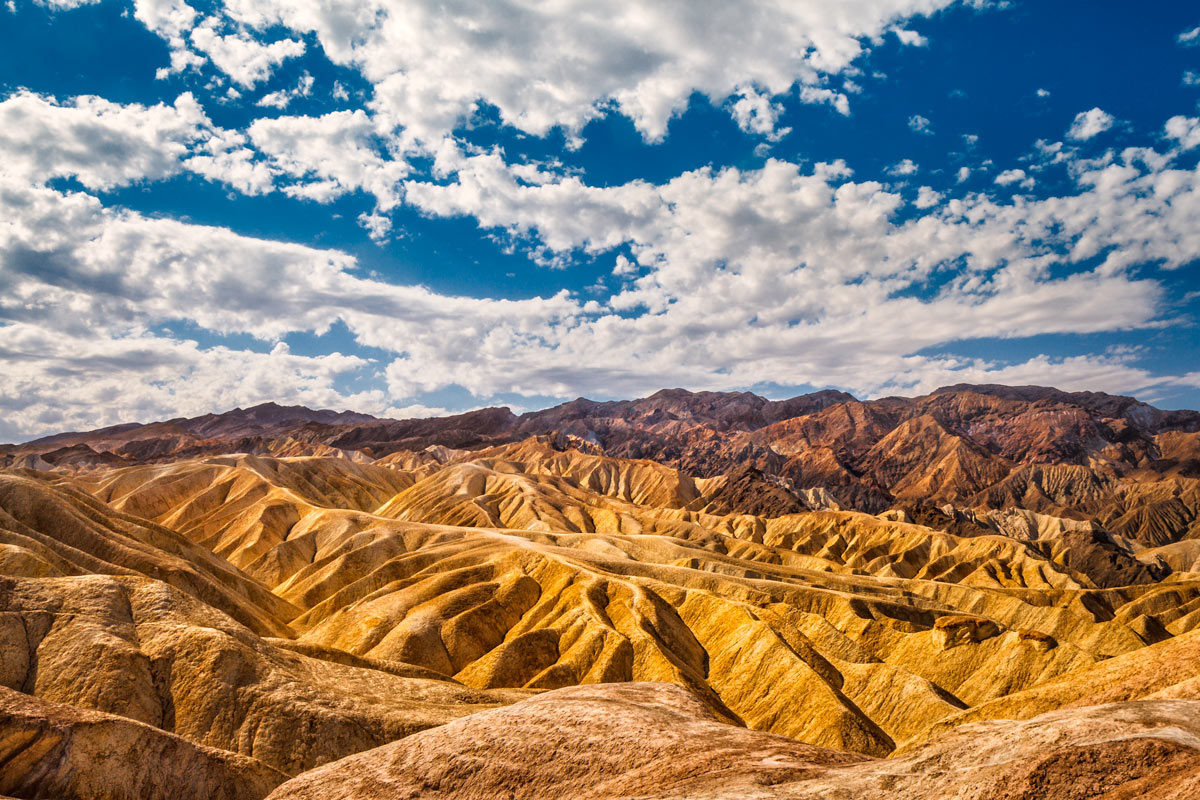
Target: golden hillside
{"points": [[254, 618]]}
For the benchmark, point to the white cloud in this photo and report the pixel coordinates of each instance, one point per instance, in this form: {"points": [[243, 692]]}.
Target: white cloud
{"points": [[752, 268], [1050, 153], [224, 157], [282, 99], [101, 144], [240, 56], [927, 198], [378, 226], [910, 38], [624, 268], [80, 381], [1090, 123], [420, 411], [1184, 130], [1043, 93], [106, 145], [1077, 373], [554, 65], [330, 155], [919, 124], [724, 278], [1010, 176], [1191, 78], [904, 167], [57, 5], [170, 19], [755, 113], [1189, 38], [817, 96], [735, 278]]}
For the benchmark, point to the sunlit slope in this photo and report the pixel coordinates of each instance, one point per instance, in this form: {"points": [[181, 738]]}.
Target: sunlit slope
{"points": [[104, 611], [241, 507], [536, 566], [1169, 669], [49, 528], [526, 566]]}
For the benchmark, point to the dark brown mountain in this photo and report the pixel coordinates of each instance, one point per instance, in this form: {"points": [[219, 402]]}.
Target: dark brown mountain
{"points": [[1068, 454]]}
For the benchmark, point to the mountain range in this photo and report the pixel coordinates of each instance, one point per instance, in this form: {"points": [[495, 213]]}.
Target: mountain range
{"points": [[987, 591]]}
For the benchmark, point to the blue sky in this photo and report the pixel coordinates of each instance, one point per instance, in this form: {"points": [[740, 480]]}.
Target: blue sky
{"points": [[410, 208]]}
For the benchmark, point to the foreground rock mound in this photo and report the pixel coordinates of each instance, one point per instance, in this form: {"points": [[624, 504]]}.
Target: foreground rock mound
{"points": [[654, 740], [55, 750], [612, 740], [145, 651]]}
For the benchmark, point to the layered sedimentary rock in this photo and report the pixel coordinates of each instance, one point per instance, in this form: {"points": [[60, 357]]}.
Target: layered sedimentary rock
{"points": [[951, 596]]}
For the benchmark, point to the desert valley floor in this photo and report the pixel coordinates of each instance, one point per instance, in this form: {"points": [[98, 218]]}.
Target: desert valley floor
{"points": [[987, 592]]}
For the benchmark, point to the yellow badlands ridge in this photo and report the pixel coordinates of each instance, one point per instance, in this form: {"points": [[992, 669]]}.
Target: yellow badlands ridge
{"points": [[534, 621]]}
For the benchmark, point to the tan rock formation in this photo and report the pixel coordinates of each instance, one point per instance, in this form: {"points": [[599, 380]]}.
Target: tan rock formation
{"points": [[666, 597]]}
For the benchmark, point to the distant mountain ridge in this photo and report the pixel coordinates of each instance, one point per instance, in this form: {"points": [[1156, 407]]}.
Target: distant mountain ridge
{"points": [[722, 411], [256, 420], [1078, 455]]}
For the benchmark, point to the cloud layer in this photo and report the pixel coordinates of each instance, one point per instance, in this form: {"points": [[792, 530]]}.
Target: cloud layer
{"points": [[721, 277]]}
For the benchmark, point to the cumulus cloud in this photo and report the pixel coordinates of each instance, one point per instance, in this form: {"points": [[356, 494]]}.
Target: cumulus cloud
{"points": [[327, 156], [283, 97], [927, 198], [80, 381], [1090, 123], [731, 278], [242, 57], [1014, 176], [817, 96], [83, 289], [420, 411], [919, 124], [748, 276], [1184, 130], [722, 278], [755, 112], [101, 144], [546, 66], [106, 145], [910, 38], [58, 5]]}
